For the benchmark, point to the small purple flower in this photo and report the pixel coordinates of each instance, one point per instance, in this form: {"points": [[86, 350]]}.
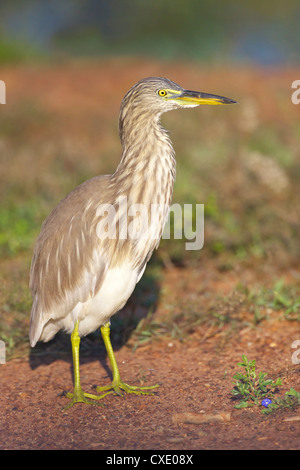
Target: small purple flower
{"points": [[266, 402]]}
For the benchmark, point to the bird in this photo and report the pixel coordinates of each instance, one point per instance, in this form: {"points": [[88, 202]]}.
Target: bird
{"points": [[86, 262]]}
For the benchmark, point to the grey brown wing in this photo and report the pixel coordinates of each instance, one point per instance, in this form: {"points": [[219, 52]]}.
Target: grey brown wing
{"points": [[68, 264]]}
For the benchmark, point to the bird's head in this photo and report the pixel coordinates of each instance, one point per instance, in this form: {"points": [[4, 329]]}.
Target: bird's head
{"points": [[161, 94]]}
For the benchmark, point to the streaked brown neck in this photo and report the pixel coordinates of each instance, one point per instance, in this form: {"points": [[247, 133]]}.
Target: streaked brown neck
{"points": [[147, 169]]}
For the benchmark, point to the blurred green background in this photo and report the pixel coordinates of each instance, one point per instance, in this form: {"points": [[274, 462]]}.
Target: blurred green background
{"points": [[248, 31]]}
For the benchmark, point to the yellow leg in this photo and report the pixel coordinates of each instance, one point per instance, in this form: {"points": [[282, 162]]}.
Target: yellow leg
{"points": [[79, 396], [117, 383]]}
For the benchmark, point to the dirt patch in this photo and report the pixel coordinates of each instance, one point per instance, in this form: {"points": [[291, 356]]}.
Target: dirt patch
{"points": [[195, 379]]}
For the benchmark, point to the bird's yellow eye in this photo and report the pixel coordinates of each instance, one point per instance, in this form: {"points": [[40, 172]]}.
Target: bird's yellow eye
{"points": [[162, 92]]}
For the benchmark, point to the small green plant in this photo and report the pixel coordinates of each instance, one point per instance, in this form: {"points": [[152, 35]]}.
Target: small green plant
{"points": [[291, 399], [251, 388]]}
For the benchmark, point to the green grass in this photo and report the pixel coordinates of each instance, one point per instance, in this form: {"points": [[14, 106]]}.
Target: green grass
{"points": [[261, 303], [19, 225], [15, 302], [13, 51], [281, 297]]}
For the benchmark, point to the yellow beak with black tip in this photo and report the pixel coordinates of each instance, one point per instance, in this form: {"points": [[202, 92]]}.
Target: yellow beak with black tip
{"points": [[189, 98]]}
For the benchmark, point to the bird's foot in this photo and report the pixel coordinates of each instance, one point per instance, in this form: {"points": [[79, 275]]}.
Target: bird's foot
{"points": [[117, 386], [81, 397]]}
